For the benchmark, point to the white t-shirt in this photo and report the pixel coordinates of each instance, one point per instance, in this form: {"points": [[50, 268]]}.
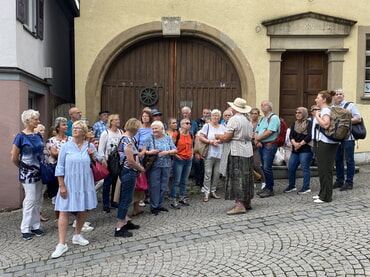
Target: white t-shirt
{"points": [[320, 136], [107, 141], [213, 151]]}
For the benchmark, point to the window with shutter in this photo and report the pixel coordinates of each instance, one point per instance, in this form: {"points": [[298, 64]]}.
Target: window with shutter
{"points": [[40, 19], [21, 11]]}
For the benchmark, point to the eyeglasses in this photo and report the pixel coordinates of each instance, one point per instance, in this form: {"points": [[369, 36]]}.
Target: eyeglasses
{"points": [[187, 123], [227, 114]]}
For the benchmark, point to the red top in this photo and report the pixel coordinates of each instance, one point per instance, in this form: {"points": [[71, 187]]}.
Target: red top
{"points": [[184, 146]]}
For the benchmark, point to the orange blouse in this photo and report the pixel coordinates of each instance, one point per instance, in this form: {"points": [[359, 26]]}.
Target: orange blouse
{"points": [[184, 145]]}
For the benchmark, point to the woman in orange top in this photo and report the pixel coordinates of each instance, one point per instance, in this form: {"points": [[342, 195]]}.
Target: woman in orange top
{"points": [[183, 140]]}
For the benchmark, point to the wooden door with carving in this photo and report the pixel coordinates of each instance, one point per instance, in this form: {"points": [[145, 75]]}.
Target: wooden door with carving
{"points": [[167, 74]]}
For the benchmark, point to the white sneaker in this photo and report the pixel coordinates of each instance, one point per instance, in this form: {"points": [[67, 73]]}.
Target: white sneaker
{"points": [[87, 228], [318, 201], [59, 250], [316, 197], [263, 185], [141, 203], [86, 224], [80, 240]]}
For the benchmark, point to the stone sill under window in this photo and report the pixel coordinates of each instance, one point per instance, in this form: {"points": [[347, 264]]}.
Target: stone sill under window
{"points": [[28, 29], [365, 97]]}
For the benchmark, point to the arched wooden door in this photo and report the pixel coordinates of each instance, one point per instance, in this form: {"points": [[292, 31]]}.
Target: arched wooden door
{"points": [[171, 73]]}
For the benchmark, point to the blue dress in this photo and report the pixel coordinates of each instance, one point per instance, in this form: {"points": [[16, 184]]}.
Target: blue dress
{"points": [[74, 165]]}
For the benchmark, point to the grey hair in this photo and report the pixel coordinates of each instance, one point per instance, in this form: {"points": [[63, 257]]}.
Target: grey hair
{"points": [[269, 102], [158, 124], [187, 108], [183, 121], [58, 120], [27, 115], [215, 111], [339, 90]]}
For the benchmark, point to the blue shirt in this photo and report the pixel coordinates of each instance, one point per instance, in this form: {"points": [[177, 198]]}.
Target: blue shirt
{"points": [[142, 135], [69, 130], [126, 141], [99, 127], [273, 125], [31, 154], [164, 144]]}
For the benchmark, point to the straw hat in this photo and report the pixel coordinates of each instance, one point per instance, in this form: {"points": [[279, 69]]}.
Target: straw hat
{"points": [[240, 105]]}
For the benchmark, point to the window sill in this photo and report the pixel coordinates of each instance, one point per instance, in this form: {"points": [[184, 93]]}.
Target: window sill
{"points": [[365, 97], [28, 29]]}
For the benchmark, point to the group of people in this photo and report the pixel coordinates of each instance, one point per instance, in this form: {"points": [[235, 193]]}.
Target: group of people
{"points": [[239, 145]]}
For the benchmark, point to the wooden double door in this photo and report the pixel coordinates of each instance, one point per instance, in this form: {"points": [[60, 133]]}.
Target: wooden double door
{"points": [[168, 73], [303, 75]]}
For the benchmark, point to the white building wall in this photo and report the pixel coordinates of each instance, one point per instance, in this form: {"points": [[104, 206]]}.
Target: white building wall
{"points": [[8, 33]]}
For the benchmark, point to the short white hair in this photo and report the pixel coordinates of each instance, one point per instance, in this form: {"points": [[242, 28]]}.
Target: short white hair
{"points": [[186, 108], [158, 124], [339, 90], [27, 115], [215, 111]]}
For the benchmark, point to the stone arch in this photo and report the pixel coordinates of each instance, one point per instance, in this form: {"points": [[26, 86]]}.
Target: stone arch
{"points": [[127, 38]]}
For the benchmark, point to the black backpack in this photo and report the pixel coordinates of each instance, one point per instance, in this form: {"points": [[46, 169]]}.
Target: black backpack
{"points": [[114, 165]]}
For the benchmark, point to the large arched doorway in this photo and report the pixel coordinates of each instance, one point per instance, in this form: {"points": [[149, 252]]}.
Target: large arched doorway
{"points": [[173, 72]]}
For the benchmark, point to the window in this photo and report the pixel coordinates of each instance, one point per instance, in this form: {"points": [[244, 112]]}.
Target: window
{"points": [[367, 66], [31, 14], [32, 100]]}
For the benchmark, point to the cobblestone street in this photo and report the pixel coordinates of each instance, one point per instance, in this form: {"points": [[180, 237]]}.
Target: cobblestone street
{"points": [[284, 235]]}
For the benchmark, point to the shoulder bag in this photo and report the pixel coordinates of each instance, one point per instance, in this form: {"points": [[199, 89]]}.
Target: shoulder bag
{"points": [[149, 160], [200, 147], [99, 172]]}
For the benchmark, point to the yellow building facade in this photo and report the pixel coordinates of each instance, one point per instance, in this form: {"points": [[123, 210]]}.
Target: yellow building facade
{"points": [[284, 51]]}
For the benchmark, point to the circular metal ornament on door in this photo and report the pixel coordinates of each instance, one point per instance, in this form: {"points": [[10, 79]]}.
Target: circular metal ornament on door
{"points": [[149, 96]]}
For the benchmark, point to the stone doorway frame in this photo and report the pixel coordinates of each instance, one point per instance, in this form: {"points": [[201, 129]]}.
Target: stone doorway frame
{"points": [[307, 32], [95, 78]]}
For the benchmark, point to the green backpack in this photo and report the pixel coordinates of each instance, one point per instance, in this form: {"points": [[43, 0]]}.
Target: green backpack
{"points": [[340, 124]]}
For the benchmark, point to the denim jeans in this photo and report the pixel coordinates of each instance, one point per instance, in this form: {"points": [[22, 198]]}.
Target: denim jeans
{"points": [[108, 182], [347, 149], [267, 153], [303, 159], [128, 181], [158, 181], [181, 171]]}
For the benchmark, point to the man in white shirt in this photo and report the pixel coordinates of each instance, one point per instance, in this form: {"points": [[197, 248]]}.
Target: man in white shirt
{"points": [[346, 147]]}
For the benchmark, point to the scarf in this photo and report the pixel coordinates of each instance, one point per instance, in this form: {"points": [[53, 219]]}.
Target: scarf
{"points": [[300, 126]]}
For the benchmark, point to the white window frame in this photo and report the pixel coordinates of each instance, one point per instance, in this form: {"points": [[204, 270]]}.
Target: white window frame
{"points": [[31, 16], [367, 66]]}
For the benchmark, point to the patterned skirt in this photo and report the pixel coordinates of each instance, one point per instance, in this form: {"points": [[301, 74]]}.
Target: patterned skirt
{"points": [[239, 182]]}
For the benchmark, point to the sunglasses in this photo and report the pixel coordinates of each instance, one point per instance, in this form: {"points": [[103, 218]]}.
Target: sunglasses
{"points": [[187, 123]]}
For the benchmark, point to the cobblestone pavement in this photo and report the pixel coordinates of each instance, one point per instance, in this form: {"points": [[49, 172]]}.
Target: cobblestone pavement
{"points": [[285, 235]]}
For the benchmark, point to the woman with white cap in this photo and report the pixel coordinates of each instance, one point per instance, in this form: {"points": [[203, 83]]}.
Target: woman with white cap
{"points": [[237, 158]]}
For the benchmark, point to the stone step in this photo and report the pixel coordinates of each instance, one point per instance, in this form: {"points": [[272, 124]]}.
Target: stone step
{"points": [[281, 171]]}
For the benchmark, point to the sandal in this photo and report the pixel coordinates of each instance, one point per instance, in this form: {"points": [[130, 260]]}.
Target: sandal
{"points": [[42, 218], [136, 214], [205, 198]]}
